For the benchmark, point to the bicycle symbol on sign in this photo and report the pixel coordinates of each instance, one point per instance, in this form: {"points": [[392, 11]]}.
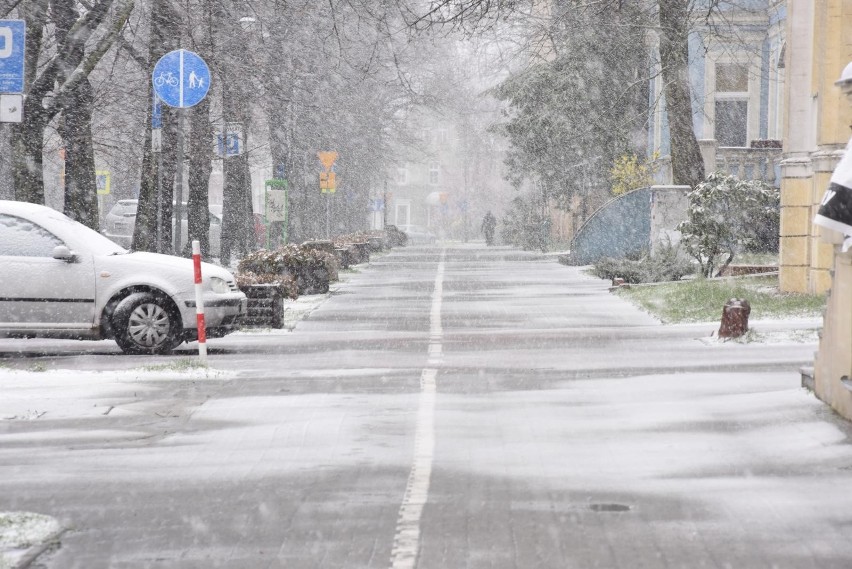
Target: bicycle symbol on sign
{"points": [[166, 78]]}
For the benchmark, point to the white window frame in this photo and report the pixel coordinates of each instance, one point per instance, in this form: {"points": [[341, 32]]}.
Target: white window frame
{"points": [[434, 173], [402, 212], [752, 95], [402, 176]]}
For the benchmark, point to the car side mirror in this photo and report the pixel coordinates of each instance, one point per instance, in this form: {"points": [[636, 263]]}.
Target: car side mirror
{"points": [[63, 253]]}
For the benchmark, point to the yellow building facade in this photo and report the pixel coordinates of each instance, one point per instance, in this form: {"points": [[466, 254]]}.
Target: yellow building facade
{"points": [[819, 45], [818, 119]]}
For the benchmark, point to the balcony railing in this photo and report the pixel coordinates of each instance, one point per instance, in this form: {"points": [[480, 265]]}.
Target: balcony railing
{"points": [[747, 163]]}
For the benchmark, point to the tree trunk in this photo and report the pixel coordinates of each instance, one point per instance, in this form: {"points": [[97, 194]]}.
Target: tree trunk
{"points": [[81, 197], [200, 166], [198, 216], [687, 162], [279, 117], [75, 125], [27, 162], [7, 187], [165, 36], [237, 218], [28, 136]]}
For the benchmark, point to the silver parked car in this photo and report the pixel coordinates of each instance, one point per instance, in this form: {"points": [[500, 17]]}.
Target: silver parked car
{"points": [[64, 280], [120, 221], [418, 235]]}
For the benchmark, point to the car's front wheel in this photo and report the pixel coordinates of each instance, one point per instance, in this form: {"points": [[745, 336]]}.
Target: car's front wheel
{"points": [[145, 323]]}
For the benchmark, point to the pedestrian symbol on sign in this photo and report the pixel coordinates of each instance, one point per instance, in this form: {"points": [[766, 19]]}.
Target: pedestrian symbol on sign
{"points": [[195, 82]]}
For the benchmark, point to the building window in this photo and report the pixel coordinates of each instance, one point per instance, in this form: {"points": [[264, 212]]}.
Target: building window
{"points": [[732, 122], [402, 176], [403, 213], [731, 105], [731, 78], [442, 136], [434, 173]]}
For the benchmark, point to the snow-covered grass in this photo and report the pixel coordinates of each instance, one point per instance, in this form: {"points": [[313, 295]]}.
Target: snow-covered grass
{"points": [[701, 300], [21, 530], [185, 364], [762, 336]]}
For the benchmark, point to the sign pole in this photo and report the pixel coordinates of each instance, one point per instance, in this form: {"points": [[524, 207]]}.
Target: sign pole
{"points": [[178, 224], [160, 201]]}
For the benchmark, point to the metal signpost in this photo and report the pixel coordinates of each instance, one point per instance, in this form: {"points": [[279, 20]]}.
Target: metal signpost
{"points": [[157, 146], [12, 50], [181, 79]]}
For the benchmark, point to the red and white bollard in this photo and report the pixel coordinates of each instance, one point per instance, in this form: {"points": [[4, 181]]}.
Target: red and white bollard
{"points": [[199, 303]]}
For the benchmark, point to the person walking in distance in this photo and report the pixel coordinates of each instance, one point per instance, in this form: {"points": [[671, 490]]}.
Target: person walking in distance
{"points": [[489, 222]]}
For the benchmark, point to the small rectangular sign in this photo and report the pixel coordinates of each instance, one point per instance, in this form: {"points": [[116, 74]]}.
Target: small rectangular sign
{"points": [[12, 108], [103, 182], [230, 145], [276, 205]]}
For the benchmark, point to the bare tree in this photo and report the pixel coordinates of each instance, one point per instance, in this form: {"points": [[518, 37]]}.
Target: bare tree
{"points": [[200, 155], [164, 37], [673, 26], [675, 21], [60, 84]]}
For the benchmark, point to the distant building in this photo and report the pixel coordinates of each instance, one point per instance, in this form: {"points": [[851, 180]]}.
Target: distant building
{"points": [[447, 177], [737, 76]]}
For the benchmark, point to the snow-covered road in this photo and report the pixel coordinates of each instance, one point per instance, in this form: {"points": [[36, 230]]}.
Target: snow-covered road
{"points": [[532, 419]]}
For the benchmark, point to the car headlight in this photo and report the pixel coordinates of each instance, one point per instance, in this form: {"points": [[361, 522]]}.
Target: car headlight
{"points": [[219, 286]]}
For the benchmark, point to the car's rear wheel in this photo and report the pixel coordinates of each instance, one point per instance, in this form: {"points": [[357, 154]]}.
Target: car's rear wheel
{"points": [[145, 323]]}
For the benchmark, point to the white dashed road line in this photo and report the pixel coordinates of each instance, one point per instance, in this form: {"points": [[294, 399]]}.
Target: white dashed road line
{"points": [[406, 543]]}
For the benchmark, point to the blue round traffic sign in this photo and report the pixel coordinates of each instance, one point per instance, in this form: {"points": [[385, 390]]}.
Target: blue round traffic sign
{"points": [[181, 78]]}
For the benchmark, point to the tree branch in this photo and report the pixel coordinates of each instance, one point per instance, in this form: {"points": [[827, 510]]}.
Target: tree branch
{"points": [[65, 91], [82, 29], [6, 7], [132, 52]]}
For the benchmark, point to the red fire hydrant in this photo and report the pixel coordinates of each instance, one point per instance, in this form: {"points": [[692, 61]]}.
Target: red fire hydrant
{"points": [[735, 318]]}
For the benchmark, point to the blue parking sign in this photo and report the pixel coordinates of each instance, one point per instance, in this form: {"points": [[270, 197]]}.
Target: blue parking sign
{"points": [[12, 44], [229, 144]]}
